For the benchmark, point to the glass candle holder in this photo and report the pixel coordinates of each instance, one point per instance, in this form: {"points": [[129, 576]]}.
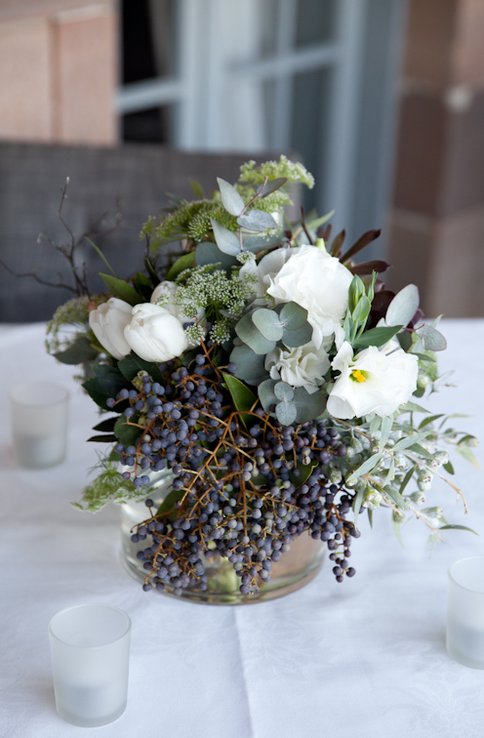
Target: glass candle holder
{"points": [[90, 659], [465, 615], [39, 424]]}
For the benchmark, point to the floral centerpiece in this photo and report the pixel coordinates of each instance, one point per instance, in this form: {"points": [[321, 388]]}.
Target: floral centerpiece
{"points": [[276, 381]]}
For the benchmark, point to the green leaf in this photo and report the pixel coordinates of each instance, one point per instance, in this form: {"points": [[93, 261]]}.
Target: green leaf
{"points": [[256, 221], [365, 467], [100, 253], [250, 334], [143, 285], [405, 340], [408, 441], [355, 292], [362, 310], [127, 434], [412, 407], [107, 382], [449, 467], [376, 336], [106, 426], [78, 352], [433, 340], [231, 200], [268, 323], [226, 240], [430, 419], [196, 188], [403, 307], [370, 516], [301, 475], [408, 476], [186, 261], [468, 455], [421, 451], [109, 486], [130, 365], [397, 498], [121, 289], [169, 504], [243, 397], [458, 527], [105, 438], [358, 501]]}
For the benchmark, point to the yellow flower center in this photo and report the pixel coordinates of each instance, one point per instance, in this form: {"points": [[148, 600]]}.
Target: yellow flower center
{"points": [[359, 375]]}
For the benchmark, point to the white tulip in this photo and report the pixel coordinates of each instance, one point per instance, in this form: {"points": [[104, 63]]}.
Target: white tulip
{"points": [[107, 322], [319, 283], [374, 381], [155, 334], [304, 366]]}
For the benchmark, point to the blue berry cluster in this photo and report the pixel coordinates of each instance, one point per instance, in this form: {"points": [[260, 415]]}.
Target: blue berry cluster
{"points": [[244, 485]]}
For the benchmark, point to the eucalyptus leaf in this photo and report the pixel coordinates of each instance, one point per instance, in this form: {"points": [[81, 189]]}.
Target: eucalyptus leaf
{"points": [[272, 185], [226, 240], [256, 221], [403, 307], [250, 335], [286, 412], [283, 391], [309, 405], [266, 394], [296, 330], [249, 365], [231, 200], [208, 252], [433, 340], [268, 323]]}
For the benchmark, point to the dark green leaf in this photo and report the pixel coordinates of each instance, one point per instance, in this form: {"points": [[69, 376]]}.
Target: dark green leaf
{"points": [[458, 527], [127, 434], [208, 252], [301, 475], [105, 438], [408, 476], [449, 467], [405, 340], [168, 507], [121, 289], [106, 426], [377, 336], [78, 352], [130, 365], [429, 419], [186, 261], [243, 397], [143, 285]]}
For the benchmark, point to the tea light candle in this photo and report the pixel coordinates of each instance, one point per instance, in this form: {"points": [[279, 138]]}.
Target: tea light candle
{"points": [[39, 424], [465, 616], [90, 659]]}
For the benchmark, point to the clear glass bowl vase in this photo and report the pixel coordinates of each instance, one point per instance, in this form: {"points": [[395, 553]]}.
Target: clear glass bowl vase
{"points": [[296, 567]]}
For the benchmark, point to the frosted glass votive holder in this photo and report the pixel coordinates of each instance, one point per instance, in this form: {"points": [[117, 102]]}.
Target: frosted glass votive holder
{"points": [[90, 661], [39, 423], [465, 613]]}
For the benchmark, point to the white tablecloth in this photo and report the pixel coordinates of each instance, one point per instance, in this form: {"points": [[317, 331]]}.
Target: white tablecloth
{"points": [[363, 659]]}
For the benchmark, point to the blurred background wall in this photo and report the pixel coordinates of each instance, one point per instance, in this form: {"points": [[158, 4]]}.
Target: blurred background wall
{"points": [[383, 100]]}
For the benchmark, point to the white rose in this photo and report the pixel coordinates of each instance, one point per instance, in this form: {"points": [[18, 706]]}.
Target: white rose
{"points": [[107, 322], [319, 283], [304, 366], [155, 334], [372, 382]]}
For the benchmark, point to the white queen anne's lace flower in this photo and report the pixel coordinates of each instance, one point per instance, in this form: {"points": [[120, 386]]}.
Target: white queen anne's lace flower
{"points": [[319, 283], [374, 381]]}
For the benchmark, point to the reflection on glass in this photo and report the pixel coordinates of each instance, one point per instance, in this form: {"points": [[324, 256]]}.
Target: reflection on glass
{"points": [[315, 22], [149, 36], [156, 125]]}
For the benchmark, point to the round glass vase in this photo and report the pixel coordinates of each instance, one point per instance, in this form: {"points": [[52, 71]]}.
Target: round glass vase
{"points": [[296, 567]]}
